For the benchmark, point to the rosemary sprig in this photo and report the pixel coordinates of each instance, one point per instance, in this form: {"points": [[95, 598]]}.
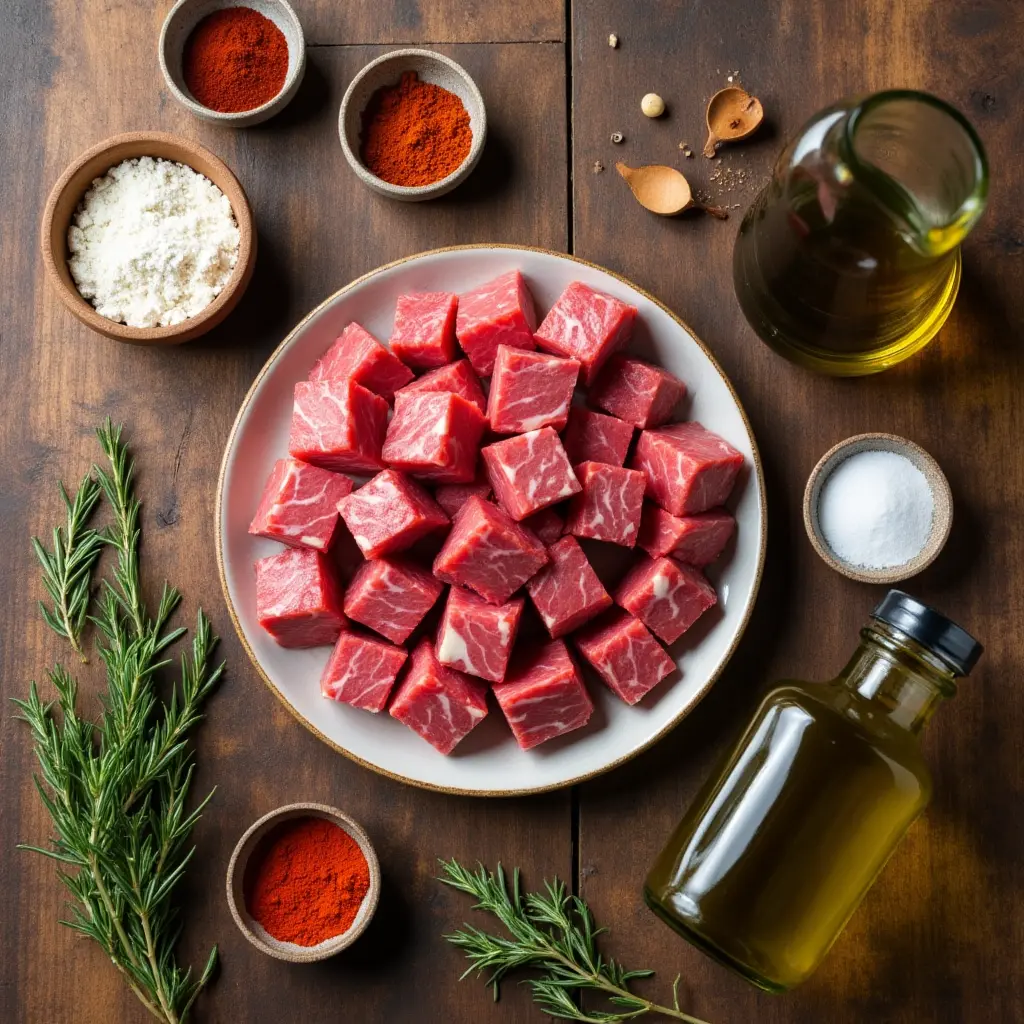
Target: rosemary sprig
{"points": [[117, 790], [553, 933]]}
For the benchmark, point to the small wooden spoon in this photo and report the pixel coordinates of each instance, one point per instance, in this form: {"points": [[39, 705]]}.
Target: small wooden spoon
{"points": [[733, 114], [664, 190]]}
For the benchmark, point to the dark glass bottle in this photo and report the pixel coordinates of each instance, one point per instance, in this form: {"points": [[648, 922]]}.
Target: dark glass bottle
{"points": [[780, 847]]}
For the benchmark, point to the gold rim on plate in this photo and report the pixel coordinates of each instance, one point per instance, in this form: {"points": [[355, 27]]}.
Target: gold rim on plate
{"points": [[531, 790]]}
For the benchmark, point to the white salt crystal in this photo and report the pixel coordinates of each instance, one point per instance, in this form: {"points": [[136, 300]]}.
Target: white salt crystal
{"points": [[875, 510]]}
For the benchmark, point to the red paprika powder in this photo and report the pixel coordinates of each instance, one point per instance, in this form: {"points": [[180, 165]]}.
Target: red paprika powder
{"points": [[306, 881], [236, 59], [415, 133]]}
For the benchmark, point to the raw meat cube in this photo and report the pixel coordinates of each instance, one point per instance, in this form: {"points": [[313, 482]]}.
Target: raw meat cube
{"points": [[586, 325], [547, 525], [475, 636], [488, 552], [543, 696], [359, 355], [624, 654], [434, 435], [339, 425], [497, 313], [391, 596], [424, 334], [457, 377], [529, 472], [637, 392], [594, 437], [390, 513], [451, 497], [567, 592], [361, 671], [530, 390], [298, 600], [695, 540], [667, 596], [442, 705], [299, 506], [688, 468], [610, 505]]}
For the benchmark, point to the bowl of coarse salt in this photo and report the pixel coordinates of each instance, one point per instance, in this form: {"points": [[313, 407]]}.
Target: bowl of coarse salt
{"points": [[149, 239], [877, 508]]}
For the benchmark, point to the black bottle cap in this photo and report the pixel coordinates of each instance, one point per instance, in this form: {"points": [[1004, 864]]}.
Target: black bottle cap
{"points": [[940, 635]]}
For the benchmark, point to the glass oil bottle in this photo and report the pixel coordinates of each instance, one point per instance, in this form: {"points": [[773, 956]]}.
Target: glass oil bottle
{"points": [[780, 847]]}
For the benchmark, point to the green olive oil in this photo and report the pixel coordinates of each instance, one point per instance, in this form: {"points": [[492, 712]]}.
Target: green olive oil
{"points": [[780, 847]]}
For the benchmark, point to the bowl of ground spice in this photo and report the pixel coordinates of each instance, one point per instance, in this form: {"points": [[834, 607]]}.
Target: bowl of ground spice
{"points": [[303, 882], [230, 63], [412, 125]]}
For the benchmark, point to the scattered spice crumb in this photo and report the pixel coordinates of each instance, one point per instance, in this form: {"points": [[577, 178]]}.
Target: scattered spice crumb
{"points": [[687, 152], [613, 41], [617, 137], [598, 167]]}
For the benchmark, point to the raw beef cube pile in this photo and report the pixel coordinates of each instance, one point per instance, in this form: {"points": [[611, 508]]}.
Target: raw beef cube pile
{"points": [[445, 534]]}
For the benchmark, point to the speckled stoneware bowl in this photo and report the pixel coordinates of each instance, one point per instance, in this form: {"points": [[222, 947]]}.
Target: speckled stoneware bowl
{"points": [[178, 25], [236, 877], [942, 520], [387, 70]]}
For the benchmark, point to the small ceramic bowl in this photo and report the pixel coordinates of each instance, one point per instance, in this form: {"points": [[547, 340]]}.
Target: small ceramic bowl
{"points": [[236, 876], [942, 520], [178, 25], [387, 70], [75, 182]]}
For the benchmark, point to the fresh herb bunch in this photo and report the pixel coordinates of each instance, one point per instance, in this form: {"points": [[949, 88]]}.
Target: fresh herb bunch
{"points": [[116, 790], [553, 933]]}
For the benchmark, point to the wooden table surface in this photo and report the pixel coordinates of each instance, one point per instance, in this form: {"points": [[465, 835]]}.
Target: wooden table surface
{"points": [[939, 937]]}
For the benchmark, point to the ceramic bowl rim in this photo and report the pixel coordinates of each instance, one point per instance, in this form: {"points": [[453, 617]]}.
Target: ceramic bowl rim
{"points": [[941, 492]]}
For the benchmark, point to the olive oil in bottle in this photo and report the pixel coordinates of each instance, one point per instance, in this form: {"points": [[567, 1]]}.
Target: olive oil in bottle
{"points": [[778, 849]]}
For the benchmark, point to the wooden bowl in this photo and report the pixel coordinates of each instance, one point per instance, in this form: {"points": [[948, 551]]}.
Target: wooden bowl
{"points": [[387, 70], [236, 876], [75, 182], [177, 27], [942, 520]]}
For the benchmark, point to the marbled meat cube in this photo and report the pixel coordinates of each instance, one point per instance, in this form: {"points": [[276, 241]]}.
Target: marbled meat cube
{"points": [[637, 392], [530, 390], [697, 540], [451, 497], [299, 506], [609, 506], [567, 592], [529, 472], [434, 435], [500, 312], [624, 654], [547, 525], [688, 468], [586, 325], [442, 705], [457, 378], [358, 354], [475, 636], [390, 513], [391, 596], [667, 596], [361, 671], [338, 425], [543, 695], [298, 599], [424, 334], [488, 552], [594, 437]]}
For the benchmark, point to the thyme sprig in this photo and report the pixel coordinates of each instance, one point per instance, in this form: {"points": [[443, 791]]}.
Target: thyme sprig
{"points": [[117, 790], [552, 933]]}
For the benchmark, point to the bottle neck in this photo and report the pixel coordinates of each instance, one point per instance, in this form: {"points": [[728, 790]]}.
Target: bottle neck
{"points": [[905, 680]]}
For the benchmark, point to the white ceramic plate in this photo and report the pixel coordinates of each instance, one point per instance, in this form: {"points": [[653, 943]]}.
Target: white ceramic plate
{"points": [[488, 762]]}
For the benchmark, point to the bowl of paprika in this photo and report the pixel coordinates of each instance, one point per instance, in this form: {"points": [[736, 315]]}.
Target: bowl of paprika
{"points": [[233, 64], [412, 125], [303, 882]]}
